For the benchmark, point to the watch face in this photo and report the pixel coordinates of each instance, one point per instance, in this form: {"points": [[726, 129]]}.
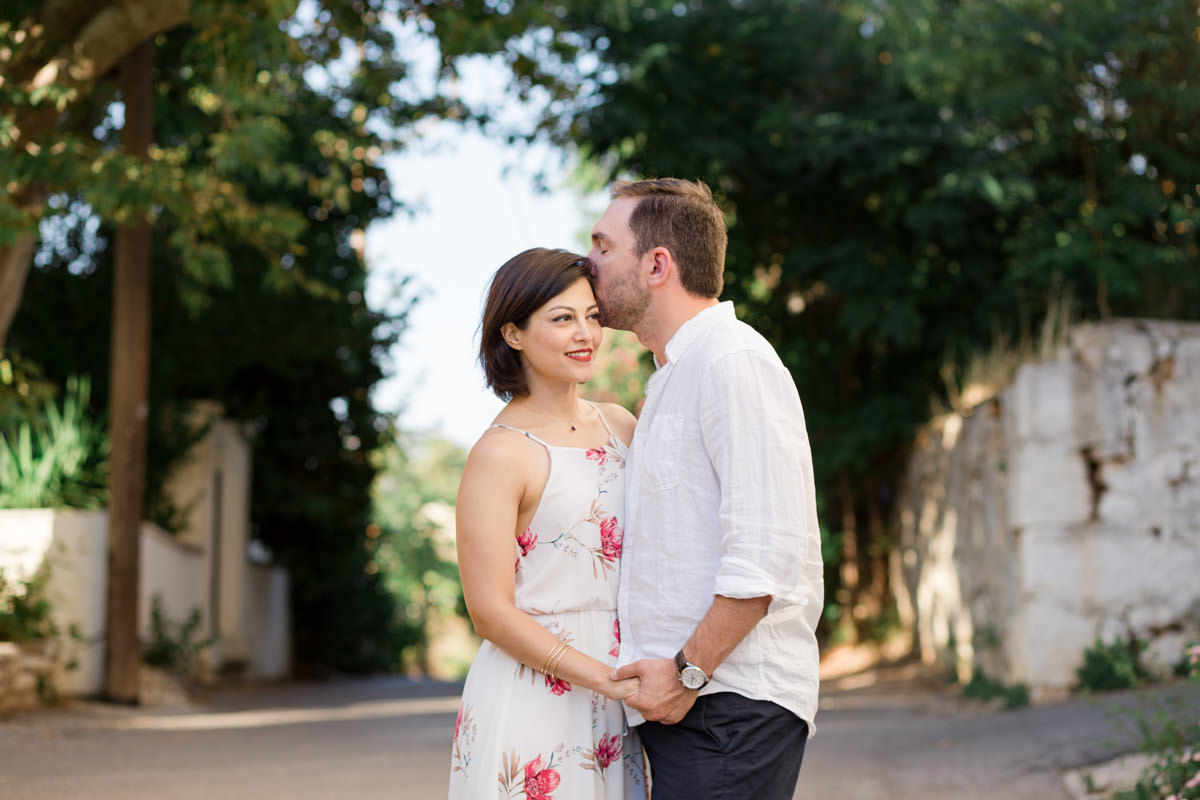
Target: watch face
{"points": [[693, 677]]}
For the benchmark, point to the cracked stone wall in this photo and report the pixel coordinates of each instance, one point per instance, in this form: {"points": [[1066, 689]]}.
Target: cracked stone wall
{"points": [[1065, 508]]}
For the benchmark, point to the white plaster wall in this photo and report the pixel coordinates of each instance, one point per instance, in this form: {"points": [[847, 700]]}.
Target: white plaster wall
{"points": [[1064, 509], [212, 489], [170, 570], [73, 546], [253, 620], [190, 485], [267, 623], [232, 462]]}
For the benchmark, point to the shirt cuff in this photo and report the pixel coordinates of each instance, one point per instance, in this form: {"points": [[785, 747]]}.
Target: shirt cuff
{"points": [[741, 580]]}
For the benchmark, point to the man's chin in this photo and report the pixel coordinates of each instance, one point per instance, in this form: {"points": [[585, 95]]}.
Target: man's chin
{"points": [[617, 319], [613, 325]]}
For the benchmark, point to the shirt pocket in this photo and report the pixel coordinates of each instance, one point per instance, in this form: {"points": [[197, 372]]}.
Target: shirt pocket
{"points": [[662, 454]]}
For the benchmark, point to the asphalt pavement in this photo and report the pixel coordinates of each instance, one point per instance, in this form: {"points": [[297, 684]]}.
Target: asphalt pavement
{"points": [[901, 734]]}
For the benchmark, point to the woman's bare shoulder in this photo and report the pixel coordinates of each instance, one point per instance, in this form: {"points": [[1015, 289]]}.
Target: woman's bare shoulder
{"points": [[499, 446], [619, 419]]}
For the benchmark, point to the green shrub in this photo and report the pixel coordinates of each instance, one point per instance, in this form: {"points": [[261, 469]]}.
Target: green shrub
{"points": [[1111, 666], [1170, 737], [54, 458], [23, 388], [986, 688], [25, 611], [173, 646]]}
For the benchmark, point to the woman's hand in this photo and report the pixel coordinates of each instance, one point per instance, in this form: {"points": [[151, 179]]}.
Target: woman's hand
{"points": [[619, 690]]}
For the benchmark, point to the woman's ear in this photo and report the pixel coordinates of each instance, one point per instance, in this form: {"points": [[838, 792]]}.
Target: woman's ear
{"points": [[512, 335]]}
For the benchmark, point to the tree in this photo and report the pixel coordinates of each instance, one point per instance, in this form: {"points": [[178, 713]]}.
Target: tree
{"points": [[55, 53], [270, 121], [61, 104], [296, 364], [1090, 112], [905, 183], [130, 367], [829, 205]]}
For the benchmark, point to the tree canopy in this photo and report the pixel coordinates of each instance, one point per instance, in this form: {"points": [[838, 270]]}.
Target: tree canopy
{"points": [[270, 121], [239, 67], [907, 184]]}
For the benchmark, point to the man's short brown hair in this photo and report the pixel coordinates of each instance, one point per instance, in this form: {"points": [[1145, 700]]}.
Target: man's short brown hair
{"points": [[681, 216]]}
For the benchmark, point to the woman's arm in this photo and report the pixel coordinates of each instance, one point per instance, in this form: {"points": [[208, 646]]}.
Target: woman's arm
{"points": [[499, 471]]}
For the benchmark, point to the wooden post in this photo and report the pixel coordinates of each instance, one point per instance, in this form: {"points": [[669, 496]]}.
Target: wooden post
{"points": [[128, 399]]}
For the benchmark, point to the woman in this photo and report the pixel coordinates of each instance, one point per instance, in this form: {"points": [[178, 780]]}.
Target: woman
{"points": [[539, 542]]}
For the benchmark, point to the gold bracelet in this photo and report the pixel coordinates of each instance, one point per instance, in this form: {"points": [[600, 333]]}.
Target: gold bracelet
{"points": [[555, 650], [557, 658]]}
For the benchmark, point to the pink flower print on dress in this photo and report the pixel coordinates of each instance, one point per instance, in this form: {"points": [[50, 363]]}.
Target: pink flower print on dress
{"points": [[611, 537], [457, 724], [527, 540], [539, 783], [557, 685], [607, 750], [615, 650], [597, 454]]}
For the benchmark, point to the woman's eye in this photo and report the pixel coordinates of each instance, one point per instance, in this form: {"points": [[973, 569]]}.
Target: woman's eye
{"points": [[563, 318]]}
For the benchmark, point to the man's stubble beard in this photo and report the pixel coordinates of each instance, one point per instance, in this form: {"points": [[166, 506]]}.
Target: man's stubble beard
{"points": [[624, 308]]}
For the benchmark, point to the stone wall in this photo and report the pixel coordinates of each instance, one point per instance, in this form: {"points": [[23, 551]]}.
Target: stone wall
{"points": [[24, 670], [1065, 508]]}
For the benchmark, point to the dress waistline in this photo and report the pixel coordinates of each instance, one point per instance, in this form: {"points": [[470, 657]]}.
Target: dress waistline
{"points": [[539, 613]]}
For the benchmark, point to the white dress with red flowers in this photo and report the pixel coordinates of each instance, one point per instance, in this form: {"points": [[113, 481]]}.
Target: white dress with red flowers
{"points": [[521, 733]]}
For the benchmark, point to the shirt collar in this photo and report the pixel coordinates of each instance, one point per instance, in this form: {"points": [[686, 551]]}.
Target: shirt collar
{"points": [[690, 331]]}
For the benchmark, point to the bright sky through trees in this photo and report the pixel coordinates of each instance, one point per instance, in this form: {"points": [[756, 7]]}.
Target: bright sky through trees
{"points": [[476, 208]]}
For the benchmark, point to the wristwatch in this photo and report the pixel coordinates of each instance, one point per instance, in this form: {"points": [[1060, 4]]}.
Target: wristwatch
{"points": [[691, 676]]}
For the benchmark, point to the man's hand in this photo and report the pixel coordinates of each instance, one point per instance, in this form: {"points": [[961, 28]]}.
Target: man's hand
{"points": [[661, 698]]}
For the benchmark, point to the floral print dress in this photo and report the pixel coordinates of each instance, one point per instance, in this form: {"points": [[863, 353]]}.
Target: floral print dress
{"points": [[521, 734]]}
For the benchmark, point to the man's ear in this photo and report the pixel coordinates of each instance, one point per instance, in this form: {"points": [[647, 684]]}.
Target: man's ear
{"points": [[511, 334], [661, 267]]}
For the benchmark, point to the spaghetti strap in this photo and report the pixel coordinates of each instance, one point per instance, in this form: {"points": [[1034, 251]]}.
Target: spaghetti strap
{"points": [[527, 434], [611, 435]]}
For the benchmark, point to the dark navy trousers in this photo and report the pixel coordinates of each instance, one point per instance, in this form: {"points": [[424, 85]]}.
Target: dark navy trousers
{"points": [[728, 747]]}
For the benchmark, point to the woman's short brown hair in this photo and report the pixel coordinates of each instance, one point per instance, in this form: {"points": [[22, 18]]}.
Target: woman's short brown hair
{"points": [[525, 283]]}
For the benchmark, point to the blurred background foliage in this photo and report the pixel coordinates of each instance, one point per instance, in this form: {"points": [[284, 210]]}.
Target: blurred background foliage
{"points": [[908, 185], [411, 541]]}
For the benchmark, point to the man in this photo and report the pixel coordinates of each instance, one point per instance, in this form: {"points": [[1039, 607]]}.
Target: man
{"points": [[721, 581]]}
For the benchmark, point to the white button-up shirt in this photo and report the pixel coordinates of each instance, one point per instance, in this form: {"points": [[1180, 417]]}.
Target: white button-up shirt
{"points": [[720, 500]]}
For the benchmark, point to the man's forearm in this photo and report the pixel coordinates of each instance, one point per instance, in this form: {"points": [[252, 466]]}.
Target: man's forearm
{"points": [[722, 628]]}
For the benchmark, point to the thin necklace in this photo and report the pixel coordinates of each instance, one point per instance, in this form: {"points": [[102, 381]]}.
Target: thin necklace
{"points": [[570, 423]]}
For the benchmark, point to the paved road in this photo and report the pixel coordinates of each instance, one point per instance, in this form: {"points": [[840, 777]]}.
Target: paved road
{"points": [[903, 738]]}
